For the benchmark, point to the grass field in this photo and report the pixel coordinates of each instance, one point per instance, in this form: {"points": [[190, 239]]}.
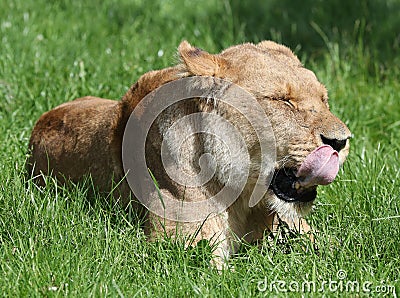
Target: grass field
{"points": [[53, 243]]}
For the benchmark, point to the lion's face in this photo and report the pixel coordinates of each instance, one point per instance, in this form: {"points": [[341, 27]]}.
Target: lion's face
{"points": [[311, 142]]}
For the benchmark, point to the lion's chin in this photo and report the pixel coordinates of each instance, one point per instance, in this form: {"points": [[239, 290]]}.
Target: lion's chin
{"points": [[292, 210]]}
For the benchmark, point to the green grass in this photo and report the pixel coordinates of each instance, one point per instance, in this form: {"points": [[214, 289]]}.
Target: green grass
{"points": [[53, 242]]}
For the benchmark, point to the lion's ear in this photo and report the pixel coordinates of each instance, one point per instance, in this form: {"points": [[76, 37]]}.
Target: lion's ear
{"points": [[199, 62]]}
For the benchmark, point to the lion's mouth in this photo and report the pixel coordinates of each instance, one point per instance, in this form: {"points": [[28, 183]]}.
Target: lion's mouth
{"points": [[287, 187], [320, 167]]}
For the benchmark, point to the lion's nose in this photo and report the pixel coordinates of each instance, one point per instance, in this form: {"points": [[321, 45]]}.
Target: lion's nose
{"points": [[336, 144]]}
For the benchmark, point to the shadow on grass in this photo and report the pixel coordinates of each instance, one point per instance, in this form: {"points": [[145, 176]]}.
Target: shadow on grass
{"points": [[308, 24], [374, 23]]}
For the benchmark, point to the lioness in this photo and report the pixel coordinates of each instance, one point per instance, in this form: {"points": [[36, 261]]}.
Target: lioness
{"points": [[85, 137]]}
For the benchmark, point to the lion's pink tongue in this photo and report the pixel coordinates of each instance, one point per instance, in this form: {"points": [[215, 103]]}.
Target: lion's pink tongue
{"points": [[320, 167]]}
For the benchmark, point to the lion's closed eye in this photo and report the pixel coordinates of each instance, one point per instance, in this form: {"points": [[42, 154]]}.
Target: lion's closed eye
{"points": [[288, 102]]}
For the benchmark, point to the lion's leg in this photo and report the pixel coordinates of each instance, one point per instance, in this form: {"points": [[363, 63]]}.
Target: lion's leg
{"points": [[215, 229], [222, 239]]}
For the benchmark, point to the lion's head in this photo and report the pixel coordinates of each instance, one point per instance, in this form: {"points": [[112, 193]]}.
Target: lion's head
{"points": [[311, 142]]}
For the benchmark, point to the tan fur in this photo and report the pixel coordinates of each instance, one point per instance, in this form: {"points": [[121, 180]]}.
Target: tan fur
{"points": [[84, 137]]}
